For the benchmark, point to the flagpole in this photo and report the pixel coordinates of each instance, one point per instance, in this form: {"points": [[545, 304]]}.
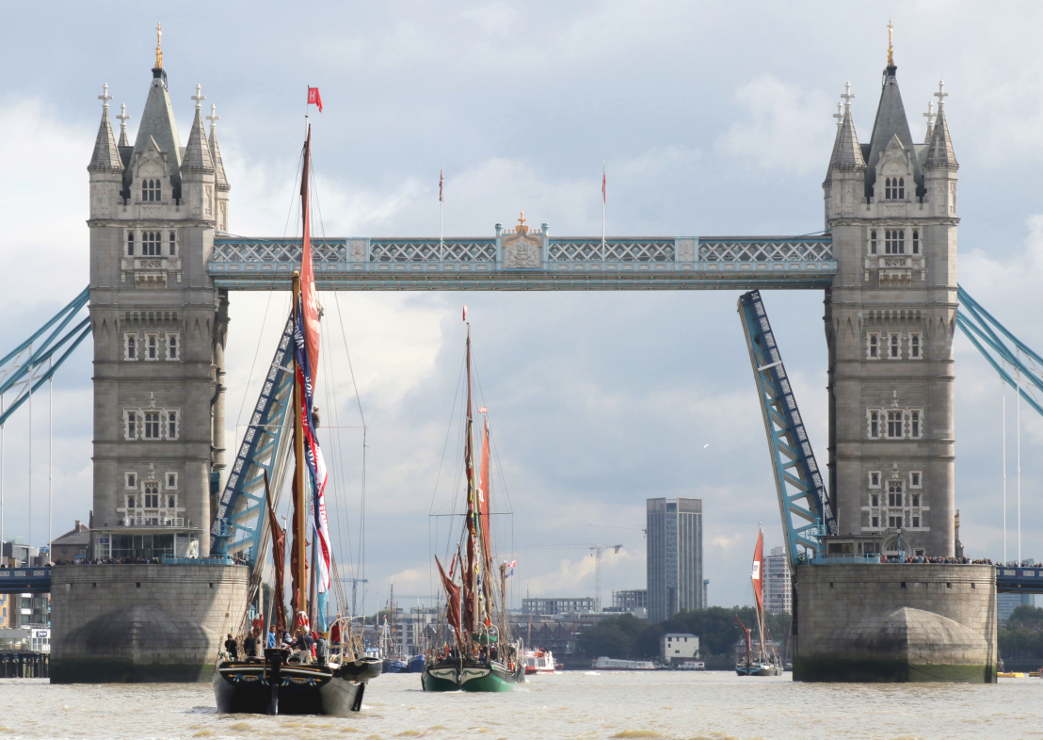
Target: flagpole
{"points": [[441, 215], [604, 209]]}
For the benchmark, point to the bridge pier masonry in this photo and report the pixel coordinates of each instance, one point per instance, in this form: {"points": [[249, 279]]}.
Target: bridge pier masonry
{"points": [[887, 599]]}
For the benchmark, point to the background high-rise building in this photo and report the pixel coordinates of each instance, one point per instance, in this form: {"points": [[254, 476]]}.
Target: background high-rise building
{"points": [[778, 592], [675, 556]]}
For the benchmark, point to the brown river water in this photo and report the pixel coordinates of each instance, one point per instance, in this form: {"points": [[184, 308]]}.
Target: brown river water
{"points": [[574, 704]]}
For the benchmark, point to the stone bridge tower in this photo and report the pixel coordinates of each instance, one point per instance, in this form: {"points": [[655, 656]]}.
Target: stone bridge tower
{"points": [[159, 330], [889, 317]]}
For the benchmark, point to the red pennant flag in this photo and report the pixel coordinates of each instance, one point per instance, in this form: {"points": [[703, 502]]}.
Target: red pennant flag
{"points": [[441, 186], [314, 98], [604, 185]]}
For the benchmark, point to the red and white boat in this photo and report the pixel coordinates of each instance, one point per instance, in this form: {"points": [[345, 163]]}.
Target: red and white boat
{"points": [[539, 661]]}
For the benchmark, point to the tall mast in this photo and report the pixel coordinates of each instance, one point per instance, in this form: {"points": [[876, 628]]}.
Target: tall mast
{"points": [[470, 616], [300, 562], [300, 555]]}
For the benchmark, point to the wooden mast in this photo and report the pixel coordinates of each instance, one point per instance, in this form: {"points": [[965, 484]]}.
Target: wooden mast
{"points": [[300, 554], [300, 529]]}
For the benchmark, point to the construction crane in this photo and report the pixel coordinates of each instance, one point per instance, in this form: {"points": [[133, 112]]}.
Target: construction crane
{"points": [[354, 592]]}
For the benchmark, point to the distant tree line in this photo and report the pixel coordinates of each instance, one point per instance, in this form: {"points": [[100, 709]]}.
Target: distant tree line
{"points": [[626, 636], [1021, 639]]}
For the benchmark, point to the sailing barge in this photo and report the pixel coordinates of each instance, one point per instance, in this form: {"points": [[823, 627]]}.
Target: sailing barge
{"points": [[479, 654], [757, 660], [290, 679]]}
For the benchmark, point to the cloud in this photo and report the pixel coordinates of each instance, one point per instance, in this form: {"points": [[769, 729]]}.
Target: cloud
{"points": [[784, 126]]}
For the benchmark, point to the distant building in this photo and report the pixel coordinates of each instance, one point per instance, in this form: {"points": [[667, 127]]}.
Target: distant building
{"points": [[675, 556], [629, 601], [16, 555], [1007, 603], [73, 545], [678, 646], [563, 605], [778, 592]]}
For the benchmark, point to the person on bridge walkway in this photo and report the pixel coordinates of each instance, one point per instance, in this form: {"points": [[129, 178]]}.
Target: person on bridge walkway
{"points": [[231, 648]]}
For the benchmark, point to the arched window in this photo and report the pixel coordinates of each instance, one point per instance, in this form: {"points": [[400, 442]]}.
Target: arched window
{"points": [[150, 192], [894, 188]]}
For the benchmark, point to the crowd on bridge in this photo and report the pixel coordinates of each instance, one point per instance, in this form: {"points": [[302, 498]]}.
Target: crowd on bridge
{"points": [[231, 560]]}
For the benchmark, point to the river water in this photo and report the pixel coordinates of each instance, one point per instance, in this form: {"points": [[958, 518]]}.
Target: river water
{"points": [[574, 704]]}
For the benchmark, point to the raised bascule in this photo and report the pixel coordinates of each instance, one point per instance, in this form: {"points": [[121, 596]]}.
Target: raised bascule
{"points": [[163, 261]]}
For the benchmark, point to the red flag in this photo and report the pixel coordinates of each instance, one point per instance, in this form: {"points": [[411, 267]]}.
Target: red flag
{"points": [[314, 98], [604, 186], [441, 186]]}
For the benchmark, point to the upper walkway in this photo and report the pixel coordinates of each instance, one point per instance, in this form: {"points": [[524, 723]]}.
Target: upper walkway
{"points": [[530, 260]]}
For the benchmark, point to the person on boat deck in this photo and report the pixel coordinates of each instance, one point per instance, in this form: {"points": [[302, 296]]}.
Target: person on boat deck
{"points": [[301, 646], [271, 637], [231, 648], [335, 632], [250, 645], [320, 647]]}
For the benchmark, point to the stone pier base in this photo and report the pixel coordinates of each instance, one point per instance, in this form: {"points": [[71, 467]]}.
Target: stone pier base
{"points": [[147, 623], [895, 622]]}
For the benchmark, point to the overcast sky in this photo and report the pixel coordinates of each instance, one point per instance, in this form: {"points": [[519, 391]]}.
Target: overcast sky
{"points": [[710, 118]]}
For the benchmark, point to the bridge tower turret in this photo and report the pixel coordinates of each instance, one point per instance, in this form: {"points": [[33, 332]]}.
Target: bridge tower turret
{"points": [[159, 332], [889, 318]]}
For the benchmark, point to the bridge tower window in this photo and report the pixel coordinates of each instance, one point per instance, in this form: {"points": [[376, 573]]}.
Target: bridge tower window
{"points": [[130, 346], [872, 241], [173, 346], [916, 241], [873, 345], [894, 188], [151, 425], [894, 424], [151, 243], [894, 346], [915, 346], [894, 241], [130, 243], [150, 190]]}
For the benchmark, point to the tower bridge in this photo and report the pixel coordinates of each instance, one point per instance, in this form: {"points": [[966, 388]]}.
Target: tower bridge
{"points": [[164, 260]]}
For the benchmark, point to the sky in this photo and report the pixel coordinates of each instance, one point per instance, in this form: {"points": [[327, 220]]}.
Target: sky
{"points": [[708, 118]]}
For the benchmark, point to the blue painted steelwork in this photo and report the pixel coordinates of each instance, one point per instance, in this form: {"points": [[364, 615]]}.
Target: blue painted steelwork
{"points": [[1011, 358], [25, 580], [1026, 580], [35, 361], [543, 263], [807, 513], [241, 516]]}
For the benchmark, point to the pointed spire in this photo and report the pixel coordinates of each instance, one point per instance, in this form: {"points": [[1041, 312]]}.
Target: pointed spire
{"points": [[106, 156], [197, 151], [891, 120], [929, 117], [123, 118], [158, 127], [220, 180], [939, 149], [847, 152]]}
